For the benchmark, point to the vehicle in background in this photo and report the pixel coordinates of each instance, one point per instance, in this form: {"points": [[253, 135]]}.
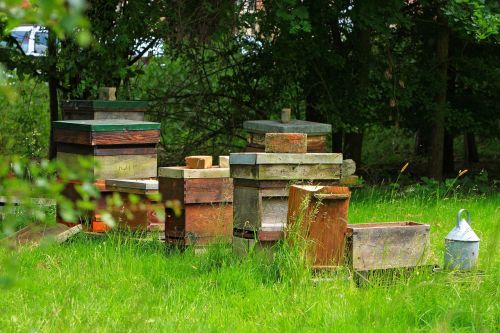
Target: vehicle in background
{"points": [[31, 38]]}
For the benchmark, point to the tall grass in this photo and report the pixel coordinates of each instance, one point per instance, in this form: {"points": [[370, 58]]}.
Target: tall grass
{"points": [[116, 284]]}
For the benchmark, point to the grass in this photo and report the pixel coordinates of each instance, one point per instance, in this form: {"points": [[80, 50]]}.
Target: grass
{"points": [[117, 285]]}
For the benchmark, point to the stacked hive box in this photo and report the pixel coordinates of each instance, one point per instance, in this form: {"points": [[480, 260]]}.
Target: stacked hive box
{"points": [[316, 133], [204, 197], [261, 182], [146, 213], [99, 109], [318, 216], [117, 148]]}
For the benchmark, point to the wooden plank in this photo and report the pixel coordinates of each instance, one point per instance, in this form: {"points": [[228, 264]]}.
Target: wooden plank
{"points": [[287, 172], [294, 126], [129, 137], [107, 150], [119, 166], [277, 158], [286, 143], [199, 162], [140, 184], [318, 214], [387, 245], [184, 172], [106, 138], [106, 125], [35, 234]]}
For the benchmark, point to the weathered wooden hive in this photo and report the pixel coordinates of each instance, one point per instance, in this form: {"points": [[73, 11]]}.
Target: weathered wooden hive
{"points": [[119, 148], [145, 213], [103, 109], [317, 218], [389, 245], [316, 133], [261, 184], [204, 197]]}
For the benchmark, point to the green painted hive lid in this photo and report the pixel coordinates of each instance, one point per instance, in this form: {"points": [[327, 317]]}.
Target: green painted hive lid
{"points": [[106, 125], [102, 105], [294, 126]]}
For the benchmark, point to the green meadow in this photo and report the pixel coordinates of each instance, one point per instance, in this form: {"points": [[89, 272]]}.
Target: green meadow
{"points": [[116, 284]]}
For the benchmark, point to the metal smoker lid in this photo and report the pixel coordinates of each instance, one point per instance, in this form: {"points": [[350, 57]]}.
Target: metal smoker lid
{"points": [[462, 231]]}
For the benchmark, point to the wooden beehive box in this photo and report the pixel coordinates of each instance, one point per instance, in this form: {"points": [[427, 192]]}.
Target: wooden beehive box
{"points": [[89, 217], [316, 133], [205, 197], [117, 148], [143, 214], [374, 246], [261, 182], [317, 219], [100, 109]]}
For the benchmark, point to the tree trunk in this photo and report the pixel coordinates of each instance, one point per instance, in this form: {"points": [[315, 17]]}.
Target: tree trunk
{"points": [[435, 162], [448, 155], [470, 147], [421, 142], [52, 78], [337, 142], [353, 143]]}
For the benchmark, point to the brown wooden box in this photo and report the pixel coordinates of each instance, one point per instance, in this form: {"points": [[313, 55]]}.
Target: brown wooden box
{"points": [[206, 209], [141, 215], [373, 246], [317, 216]]}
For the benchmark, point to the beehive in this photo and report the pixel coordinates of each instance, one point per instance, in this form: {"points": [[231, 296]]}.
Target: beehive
{"points": [[117, 148], [374, 246], [103, 109], [143, 214], [205, 200], [261, 182], [317, 215], [316, 133]]}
